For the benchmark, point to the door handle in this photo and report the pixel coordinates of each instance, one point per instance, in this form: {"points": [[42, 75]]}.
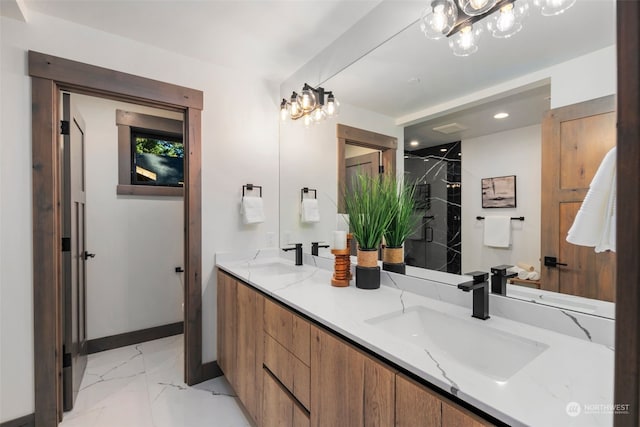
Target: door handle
{"points": [[87, 255], [430, 238], [551, 261]]}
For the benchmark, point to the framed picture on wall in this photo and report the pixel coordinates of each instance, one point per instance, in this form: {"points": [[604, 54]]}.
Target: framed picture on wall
{"points": [[499, 192]]}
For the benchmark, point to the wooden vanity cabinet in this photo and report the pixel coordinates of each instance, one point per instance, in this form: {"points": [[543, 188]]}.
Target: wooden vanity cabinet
{"points": [[290, 373], [347, 386], [417, 406], [240, 341]]}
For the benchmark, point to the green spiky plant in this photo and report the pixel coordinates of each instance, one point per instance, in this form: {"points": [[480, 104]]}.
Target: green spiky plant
{"points": [[367, 204], [402, 204]]}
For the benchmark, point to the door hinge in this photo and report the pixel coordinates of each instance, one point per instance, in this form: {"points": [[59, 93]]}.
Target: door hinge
{"points": [[66, 244], [64, 127], [381, 169]]}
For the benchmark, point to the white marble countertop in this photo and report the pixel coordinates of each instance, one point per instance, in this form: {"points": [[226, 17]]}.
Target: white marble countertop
{"points": [[571, 369]]}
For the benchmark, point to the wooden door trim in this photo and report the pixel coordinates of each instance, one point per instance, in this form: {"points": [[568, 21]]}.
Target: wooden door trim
{"points": [[388, 145], [627, 355], [48, 75]]}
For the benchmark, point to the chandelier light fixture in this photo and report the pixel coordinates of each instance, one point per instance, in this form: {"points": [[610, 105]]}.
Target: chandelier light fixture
{"points": [[312, 105], [459, 19]]}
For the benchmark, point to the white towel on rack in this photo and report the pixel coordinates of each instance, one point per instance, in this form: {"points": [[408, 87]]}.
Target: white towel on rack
{"points": [[497, 231], [252, 210], [595, 223], [309, 210]]}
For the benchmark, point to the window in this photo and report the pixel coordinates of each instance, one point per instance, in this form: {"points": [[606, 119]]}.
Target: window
{"points": [[150, 155], [156, 159]]}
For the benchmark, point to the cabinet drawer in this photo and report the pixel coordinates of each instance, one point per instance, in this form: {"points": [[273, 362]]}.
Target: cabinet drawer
{"points": [[291, 372], [289, 329]]}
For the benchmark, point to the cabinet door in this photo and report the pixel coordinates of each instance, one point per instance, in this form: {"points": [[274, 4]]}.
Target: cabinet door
{"points": [[277, 407], [248, 333], [455, 416], [337, 382], [226, 317], [415, 405], [379, 394]]}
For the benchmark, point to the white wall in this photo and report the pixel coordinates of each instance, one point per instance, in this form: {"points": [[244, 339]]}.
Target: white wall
{"points": [[139, 240], [236, 149], [515, 152], [309, 158]]}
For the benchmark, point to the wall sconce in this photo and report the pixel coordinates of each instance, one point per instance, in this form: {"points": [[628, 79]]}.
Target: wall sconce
{"points": [[459, 19], [309, 105]]}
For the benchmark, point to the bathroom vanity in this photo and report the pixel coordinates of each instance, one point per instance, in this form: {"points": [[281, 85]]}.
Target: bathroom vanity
{"points": [[300, 352]]}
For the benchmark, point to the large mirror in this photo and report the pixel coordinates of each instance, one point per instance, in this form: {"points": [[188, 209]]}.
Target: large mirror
{"points": [[440, 109]]}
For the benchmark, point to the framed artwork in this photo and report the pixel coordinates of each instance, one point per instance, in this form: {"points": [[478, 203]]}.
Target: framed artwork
{"points": [[499, 192]]}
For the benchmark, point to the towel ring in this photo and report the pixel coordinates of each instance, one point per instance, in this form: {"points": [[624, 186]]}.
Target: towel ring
{"points": [[305, 190], [251, 187], [513, 218]]}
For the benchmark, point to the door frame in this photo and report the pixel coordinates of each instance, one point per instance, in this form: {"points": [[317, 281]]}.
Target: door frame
{"points": [[50, 75], [388, 145], [627, 354]]}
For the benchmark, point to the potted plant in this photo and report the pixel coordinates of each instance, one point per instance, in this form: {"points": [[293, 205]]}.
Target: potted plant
{"points": [[403, 221], [369, 216]]}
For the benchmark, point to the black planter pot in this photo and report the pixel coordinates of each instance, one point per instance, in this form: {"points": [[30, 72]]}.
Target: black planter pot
{"points": [[395, 268], [367, 277]]}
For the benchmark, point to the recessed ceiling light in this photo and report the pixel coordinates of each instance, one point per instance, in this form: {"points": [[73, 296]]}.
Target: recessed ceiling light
{"points": [[414, 143], [501, 116], [406, 157], [443, 150]]}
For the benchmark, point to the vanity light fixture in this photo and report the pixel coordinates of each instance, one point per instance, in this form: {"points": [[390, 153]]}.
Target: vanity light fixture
{"points": [[309, 105], [459, 19]]}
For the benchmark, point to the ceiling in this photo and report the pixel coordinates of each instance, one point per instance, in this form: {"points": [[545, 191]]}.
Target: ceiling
{"points": [[273, 37], [524, 108], [411, 73]]}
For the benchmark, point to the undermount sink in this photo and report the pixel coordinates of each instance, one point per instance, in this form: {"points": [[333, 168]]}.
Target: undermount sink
{"points": [[491, 352], [277, 269]]}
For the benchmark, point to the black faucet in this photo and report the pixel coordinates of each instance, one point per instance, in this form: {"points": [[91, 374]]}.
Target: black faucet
{"points": [[480, 287], [499, 278], [315, 246], [298, 249]]}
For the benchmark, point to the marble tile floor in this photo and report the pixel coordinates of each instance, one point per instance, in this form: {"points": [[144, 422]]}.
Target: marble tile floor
{"points": [[142, 386]]}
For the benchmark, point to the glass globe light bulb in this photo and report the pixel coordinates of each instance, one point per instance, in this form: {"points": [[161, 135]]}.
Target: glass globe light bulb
{"points": [[333, 106], [465, 42], [476, 7], [507, 21], [294, 109], [307, 100], [438, 19], [284, 113]]}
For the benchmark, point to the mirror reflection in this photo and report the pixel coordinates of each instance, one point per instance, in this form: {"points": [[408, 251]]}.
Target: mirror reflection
{"points": [[503, 111]]}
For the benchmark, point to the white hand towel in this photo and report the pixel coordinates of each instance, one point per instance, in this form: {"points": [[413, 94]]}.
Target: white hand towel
{"points": [[497, 231], [595, 223], [515, 270], [533, 275], [523, 275], [309, 210], [252, 210]]}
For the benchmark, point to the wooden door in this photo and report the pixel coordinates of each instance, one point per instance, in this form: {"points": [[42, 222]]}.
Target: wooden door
{"points": [[75, 253], [366, 164], [575, 139]]}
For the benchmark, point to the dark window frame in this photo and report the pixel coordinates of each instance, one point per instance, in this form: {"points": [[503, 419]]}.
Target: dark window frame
{"points": [[129, 122]]}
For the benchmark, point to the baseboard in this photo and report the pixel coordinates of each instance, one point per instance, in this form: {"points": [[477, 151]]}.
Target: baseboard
{"points": [[134, 337], [26, 421], [210, 370]]}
